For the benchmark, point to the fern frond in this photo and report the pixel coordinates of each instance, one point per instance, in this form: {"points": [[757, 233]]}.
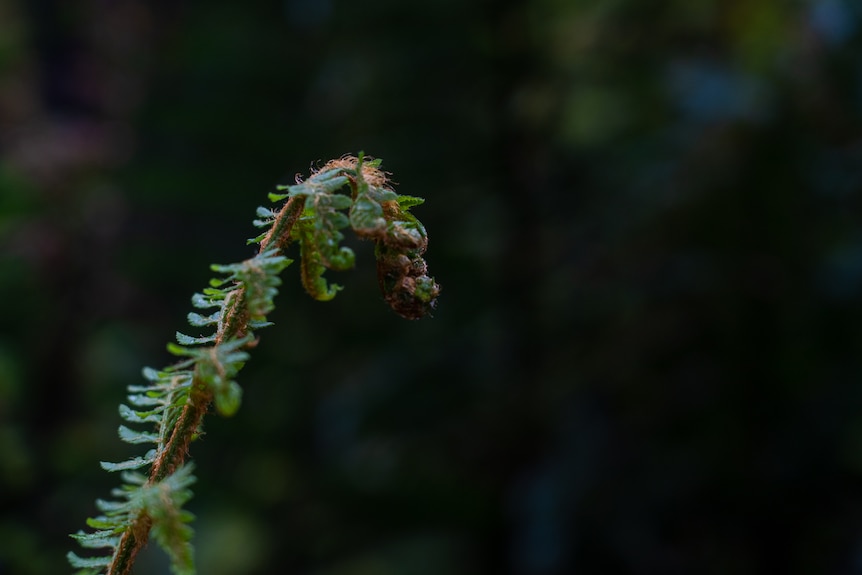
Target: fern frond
{"points": [[348, 192]]}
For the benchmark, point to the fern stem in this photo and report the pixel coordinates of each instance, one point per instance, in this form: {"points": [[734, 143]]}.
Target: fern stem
{"points": [[177, 448], [284, 221], [236, 318], [236, 324], [175, 451], [132, 541]]}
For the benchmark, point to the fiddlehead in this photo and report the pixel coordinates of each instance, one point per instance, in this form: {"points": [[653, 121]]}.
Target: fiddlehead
{"points": [[175, 399]]}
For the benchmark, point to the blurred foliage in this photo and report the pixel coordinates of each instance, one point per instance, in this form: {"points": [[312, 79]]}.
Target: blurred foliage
{"points": [[644, 216]]}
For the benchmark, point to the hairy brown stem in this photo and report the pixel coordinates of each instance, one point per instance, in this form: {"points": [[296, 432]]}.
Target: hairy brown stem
{"points": [[284, 221], [176, 450]]}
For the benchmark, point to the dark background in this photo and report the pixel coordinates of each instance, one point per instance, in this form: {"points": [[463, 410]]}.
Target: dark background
{"points": [[645, 216]]}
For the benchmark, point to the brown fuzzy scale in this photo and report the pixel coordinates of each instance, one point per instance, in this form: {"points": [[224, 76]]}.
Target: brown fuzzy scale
{"points": [[374, 176]]}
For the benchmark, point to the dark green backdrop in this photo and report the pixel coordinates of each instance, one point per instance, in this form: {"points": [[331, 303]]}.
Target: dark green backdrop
{"points": [[645, 216]]}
